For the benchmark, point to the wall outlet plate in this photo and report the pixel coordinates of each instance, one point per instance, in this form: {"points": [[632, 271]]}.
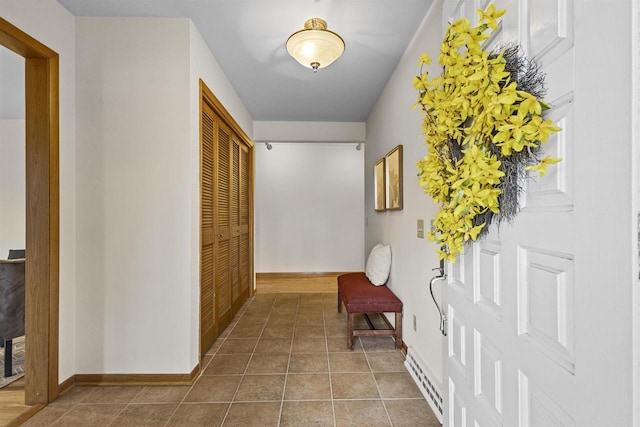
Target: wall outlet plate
{"points": [[421, 228]]}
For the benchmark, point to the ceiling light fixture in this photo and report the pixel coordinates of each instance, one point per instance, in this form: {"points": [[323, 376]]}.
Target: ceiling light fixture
{"points": [[315, 46]]}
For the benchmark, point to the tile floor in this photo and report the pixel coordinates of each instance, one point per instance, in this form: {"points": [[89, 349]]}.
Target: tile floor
{"points": [[283, 361]]}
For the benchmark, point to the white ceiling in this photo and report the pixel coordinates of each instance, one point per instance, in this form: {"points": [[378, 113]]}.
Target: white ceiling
{"points": [[247, 37]]}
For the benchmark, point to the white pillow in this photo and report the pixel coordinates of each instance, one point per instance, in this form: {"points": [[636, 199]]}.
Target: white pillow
{"points": [[379, 264]]}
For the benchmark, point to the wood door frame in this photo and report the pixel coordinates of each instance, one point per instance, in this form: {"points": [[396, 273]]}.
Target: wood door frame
{"points": [[42, 212]]}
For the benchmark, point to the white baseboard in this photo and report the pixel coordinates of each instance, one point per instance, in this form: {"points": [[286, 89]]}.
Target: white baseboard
{"points": [[426, 381]]}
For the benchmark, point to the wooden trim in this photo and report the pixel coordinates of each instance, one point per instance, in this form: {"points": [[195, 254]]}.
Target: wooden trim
{"points": [[204, 237], [42, 212], [23, 417], [195, 372], [54, 225], [66, 385], [137, 379], [22, 43], [129, 380], [223, 113]]}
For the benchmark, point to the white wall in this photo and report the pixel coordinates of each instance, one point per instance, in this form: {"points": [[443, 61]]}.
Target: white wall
{"points": [[52, 25], [204, 66], [12, 152], [12, 186], [134, 207], [138, 192], [11, 85], [309, 131], [309, 207], [393, 122]]}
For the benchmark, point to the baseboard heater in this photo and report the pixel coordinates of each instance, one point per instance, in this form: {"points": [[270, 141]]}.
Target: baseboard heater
{"points": [[426, 381]]}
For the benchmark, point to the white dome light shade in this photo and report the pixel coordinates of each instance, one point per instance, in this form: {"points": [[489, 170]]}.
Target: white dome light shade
{"points": [[315, 46]]}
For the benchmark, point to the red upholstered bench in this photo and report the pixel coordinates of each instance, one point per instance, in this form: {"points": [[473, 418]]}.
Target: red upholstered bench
{"points": [[360, 296]]}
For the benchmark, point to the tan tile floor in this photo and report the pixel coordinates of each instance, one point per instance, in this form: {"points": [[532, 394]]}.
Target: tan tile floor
{"points": [[282, 362]]}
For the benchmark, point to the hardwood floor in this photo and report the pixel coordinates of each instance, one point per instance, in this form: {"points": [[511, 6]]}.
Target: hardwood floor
{"points": [[268, 283], [13, 411]]}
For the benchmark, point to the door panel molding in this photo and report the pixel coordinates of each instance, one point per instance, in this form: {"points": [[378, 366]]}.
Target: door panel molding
{"points": [[512, 297]]}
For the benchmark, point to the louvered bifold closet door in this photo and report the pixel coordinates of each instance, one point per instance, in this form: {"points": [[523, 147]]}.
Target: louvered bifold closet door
{"points": [[223, 223], [207, 181], [245, 221], [235, 224], [226, 218]]}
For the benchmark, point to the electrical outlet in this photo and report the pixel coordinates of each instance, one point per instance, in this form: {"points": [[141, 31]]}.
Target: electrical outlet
{"points": [[415, 323], [421, 228]]}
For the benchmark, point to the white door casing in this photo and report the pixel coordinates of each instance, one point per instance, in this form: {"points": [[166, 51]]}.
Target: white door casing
{"points": [[540, 311]]}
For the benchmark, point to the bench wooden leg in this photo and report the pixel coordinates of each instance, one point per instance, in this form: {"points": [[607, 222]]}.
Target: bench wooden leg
{"points": [[350, 331], [399, 330], [339, 302]]}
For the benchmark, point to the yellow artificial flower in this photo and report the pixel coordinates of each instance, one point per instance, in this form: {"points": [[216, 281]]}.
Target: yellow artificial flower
{"points": [[490, 15], [474, 115], [542, 165]]}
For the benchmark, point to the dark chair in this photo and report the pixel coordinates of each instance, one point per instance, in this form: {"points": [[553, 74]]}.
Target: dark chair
{"points": [[16, 253], [12, 285]]}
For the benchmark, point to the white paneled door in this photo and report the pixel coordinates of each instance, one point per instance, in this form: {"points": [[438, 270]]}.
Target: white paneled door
{"points": [[534, 338]]}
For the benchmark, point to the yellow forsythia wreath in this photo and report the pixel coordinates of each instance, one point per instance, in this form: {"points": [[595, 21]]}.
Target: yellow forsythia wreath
{"points": [[483, 121]]}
